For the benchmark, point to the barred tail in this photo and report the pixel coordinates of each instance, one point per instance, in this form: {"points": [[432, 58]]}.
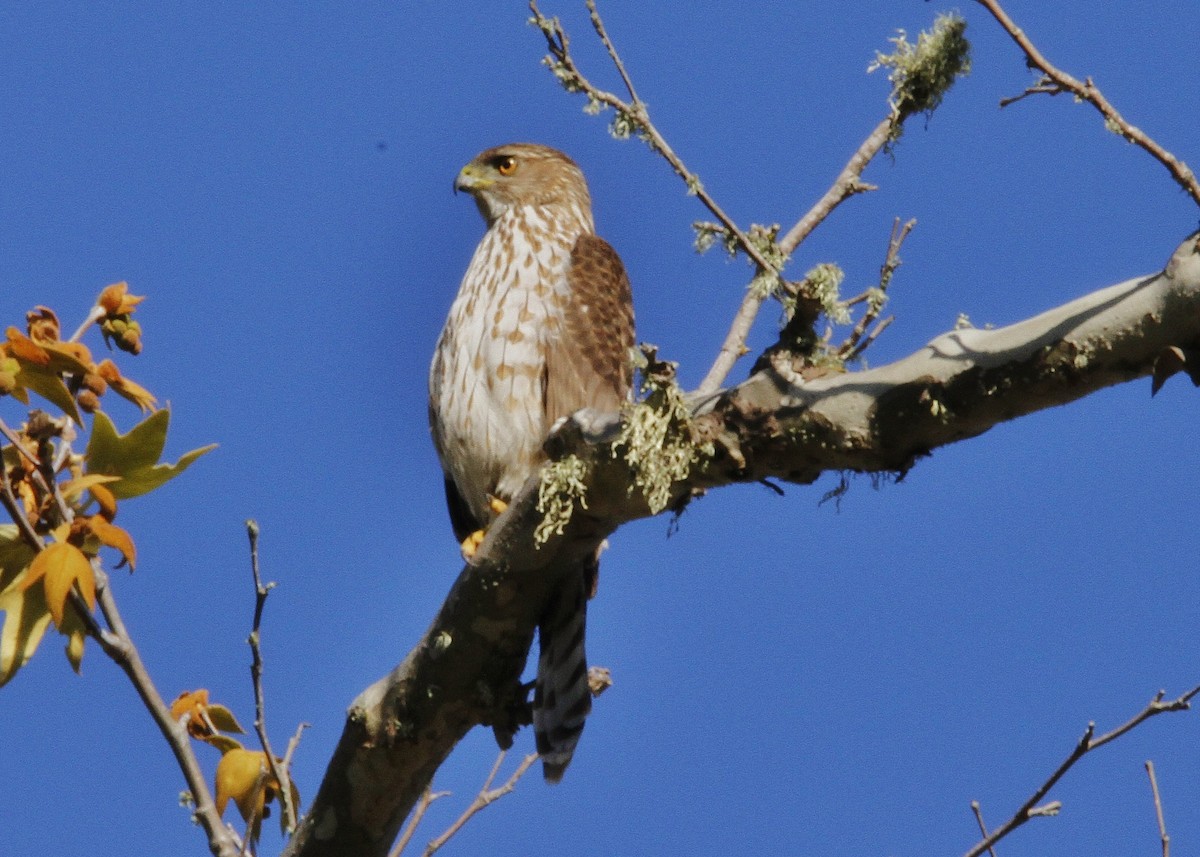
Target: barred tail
{"points": [[562, 699]]}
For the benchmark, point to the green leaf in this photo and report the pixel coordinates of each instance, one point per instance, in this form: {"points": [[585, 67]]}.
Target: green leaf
{"points": [[222, 718], [49, 385], [134, 456]]}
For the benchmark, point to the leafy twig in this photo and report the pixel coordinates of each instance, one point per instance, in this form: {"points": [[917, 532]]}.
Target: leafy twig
{"points": [[1033, 807], [1055, 81]]}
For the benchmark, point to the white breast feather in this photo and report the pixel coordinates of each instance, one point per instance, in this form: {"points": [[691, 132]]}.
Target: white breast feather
{"points": [[487, 383]]}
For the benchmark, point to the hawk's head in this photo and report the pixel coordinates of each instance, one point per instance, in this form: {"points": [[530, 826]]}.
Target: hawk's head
{"points": [[519, 174]]}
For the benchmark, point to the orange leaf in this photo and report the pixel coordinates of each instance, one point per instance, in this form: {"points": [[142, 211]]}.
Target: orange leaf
{"points": [[22, 347], [42, 324], [114, 537], [73, 357], [130, 390], [191, 705], [189, 701], [60, 567], [116, 300], [105, 500]]}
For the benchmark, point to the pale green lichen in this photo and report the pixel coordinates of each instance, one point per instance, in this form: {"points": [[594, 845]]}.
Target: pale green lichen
{"points": [[876, 299], [563, 484], [922, 73], [623, 125], [823, 283], [656, 439]]}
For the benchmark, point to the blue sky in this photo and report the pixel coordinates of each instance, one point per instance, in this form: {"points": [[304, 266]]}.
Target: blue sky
{"points": [[789, 677]]}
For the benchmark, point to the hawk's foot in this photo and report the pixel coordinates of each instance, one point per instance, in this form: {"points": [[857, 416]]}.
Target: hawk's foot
{"points": [[470, 545]]}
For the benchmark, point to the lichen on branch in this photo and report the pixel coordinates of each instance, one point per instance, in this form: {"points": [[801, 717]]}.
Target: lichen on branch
{"points": [[657, 438], [922, 73], [563, 484]]}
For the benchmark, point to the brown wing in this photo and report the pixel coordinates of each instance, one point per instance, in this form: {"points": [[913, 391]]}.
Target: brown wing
{"points": [[588, 365]]}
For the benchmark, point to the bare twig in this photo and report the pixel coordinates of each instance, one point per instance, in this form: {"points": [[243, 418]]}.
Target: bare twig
{"points": [[1055, 81], [1164, 837], [847, 184], [427, 798], [1033, 807], [278, 770], [768, 260], [975, 808], [634, 115], [598, 26], [854, 345], [486, 796]]}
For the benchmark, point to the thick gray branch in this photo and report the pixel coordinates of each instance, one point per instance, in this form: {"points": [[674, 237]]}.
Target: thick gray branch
{"points": [[465, 671]]}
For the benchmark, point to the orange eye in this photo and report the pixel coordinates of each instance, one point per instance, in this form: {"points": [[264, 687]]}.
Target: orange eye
{"points": [[506, 165]]}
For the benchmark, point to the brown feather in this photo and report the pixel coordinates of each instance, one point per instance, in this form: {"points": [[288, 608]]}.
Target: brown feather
{"points": [[588, 363]]}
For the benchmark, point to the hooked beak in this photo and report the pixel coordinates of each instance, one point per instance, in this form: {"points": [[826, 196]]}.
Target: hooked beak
{"points": [[470, 180]]}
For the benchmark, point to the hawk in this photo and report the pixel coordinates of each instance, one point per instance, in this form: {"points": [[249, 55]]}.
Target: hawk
{"points": [[542, 326]]}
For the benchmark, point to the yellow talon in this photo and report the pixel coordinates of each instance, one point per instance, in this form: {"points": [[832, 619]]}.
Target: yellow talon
{"points": [[471, 544]]}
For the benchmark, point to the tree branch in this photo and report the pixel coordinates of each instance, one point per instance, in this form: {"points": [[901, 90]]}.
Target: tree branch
{"points": [[1163, 837], [280, 771], [1033, 807], [487, 796], [1056, 81], [465, 670], [221, 840]]}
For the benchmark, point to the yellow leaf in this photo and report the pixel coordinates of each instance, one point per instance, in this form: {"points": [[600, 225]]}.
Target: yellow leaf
{"points": [[242, 777], [72, 627], [190, 705], [189, 701], [134, 456], [114, 537], [61, 567], [71, 357], [15, 556], [25, 620]]}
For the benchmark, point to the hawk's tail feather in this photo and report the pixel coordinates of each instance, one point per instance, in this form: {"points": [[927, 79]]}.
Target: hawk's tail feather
{"points": [[562, 698]]}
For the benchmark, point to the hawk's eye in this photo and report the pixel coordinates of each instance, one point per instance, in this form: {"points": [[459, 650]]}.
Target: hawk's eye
{"points": [[506, 165]]}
